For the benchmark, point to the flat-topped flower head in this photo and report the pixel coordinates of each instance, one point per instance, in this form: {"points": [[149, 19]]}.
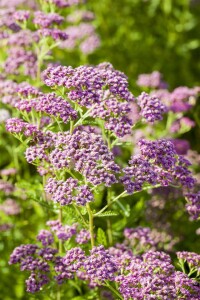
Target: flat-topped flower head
{"points": [[152, 108], [46, 20], [153, 80]]}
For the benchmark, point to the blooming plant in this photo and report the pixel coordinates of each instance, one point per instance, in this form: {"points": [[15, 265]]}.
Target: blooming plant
{"points": [[96, 165]]}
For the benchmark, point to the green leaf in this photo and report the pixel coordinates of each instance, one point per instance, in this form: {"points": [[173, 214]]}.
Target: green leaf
{"points": [[109, 213], [101, 237], [42, 202]]}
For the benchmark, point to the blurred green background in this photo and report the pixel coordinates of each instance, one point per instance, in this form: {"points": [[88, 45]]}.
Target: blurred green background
{"points": [[140, 36]]}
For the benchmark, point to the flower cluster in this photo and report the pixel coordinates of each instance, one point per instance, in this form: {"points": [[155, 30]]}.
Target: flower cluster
{"points": [[65, 3], [16, 126], [100, 265], [151, 107], [141, 239], [193, 204], [18, 59], [183, 98], [180, 100], [6, 187], [82, 36], [12, 92], [85, 152], [49, 104], [193, 259], [153, 80], [35, 260], [158, 163], [137, 276], [10, 207], [66, 192], [83, 236], [153, 274], [46, 20], [30, 29], [101, 89], [139, 172]]}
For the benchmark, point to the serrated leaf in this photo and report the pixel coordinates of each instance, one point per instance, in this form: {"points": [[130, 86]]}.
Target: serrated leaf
{"points": [[108, 213], [83, 210], [87, 122], [119, 225], [101, 237]]}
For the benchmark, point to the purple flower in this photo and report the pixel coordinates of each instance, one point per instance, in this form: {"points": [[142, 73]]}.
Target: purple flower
{"points": [[34, 264], [21, 15], [90, 44], [181, 146], [86, 153], [15, 125], [151, 107], [23, 38], [10, 207], [66, 3], [66, 232], [45, 237], [36, 154], [21, 60], [67, 266], [183, 98], [21, 252], [85, 84], [83, 236], [36, 281], [139, 172], [160, 152], [47, 253], [193, 204], [46, 20], [153, 80], [193, 259], [54, 33], [65, 192], [8, 172], [100, 265], [6, 187], [49, 104]]}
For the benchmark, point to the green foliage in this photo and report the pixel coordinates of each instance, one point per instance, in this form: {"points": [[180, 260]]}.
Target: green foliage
{"points": [[101, 237], [142, 36]]}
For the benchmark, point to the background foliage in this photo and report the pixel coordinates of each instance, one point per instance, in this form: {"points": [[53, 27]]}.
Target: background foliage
{"points": [[137, 36]]}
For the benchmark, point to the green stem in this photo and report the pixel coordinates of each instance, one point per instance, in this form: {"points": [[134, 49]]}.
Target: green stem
{"points": [[58, 294], [60, 242], [91, 224], [84, 117], [71, 126], [79, 213], [58, 122], [114, 290], [44, 183], [109, 223], [124, 194], [39, 63], [111, 202]]}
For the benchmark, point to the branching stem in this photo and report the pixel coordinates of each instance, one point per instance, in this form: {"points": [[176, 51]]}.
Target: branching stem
{"points": [[91, 224]]}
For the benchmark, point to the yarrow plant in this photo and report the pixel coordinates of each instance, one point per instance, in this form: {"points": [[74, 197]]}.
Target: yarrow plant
{"points": [[95, 162], [89, 113]]}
